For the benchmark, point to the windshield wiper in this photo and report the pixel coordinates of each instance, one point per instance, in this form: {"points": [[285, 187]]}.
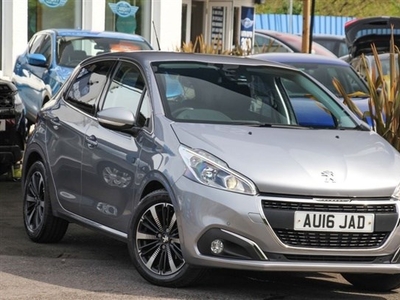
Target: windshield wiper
{"points": [[360, 127], [271, 125]]}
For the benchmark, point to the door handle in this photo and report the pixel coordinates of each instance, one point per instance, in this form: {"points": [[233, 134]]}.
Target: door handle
{"points": [[91, 141], [55, 122]]}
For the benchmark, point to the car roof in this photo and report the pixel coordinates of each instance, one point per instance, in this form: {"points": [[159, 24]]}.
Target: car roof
{"points": [[329, 36], [294, 41], [91, 33], [288, 58], [148, 56]]}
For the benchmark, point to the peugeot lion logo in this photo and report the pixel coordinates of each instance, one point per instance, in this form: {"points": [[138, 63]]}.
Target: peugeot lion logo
{"points": [[328, 176]]}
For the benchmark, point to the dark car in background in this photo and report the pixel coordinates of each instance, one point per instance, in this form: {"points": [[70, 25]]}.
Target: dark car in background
{"points": [[274, 41], [362, 33], [52, 54], [334, 43], [12, 127]]}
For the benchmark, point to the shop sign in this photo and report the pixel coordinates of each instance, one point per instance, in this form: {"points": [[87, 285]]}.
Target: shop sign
{"points": [[247, 28], [123, 9], [53, 3]]}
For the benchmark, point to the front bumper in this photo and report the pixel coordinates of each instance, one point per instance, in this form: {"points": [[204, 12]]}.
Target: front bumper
{"points": [[258, 233]]}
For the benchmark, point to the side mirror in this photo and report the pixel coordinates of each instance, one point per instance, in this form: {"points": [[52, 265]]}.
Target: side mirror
{"points": [[37, 59], [118, 118]]}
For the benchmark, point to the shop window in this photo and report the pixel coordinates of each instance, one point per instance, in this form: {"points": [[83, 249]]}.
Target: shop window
{"points": [[129, 16], [53, 14]]}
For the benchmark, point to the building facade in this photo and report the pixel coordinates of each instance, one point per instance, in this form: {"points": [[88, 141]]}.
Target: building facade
{"points": [[166, 24]]}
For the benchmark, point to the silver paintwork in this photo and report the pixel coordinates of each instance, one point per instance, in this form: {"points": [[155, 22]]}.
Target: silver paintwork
{"points": [[285, 164]]}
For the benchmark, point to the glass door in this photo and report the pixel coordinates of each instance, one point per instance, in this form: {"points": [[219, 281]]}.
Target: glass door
{"points": [[220, 25]]}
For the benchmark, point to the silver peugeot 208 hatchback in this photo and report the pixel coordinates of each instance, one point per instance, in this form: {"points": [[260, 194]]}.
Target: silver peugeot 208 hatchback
{"points": [[200, 161]]}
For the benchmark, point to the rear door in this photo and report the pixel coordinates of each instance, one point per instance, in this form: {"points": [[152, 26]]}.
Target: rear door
{"points": [[66, 125]]}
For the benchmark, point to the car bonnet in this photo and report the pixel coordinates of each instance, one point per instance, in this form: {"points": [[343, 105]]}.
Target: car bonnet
{"points": [[297, 161]]}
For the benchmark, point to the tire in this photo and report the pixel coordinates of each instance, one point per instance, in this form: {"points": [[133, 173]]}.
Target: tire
{"points": [[374, 282], [40, 223], [154, 244]]}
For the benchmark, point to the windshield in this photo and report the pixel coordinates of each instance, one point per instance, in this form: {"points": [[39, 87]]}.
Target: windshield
{"points": [[248, 95], [348, 78], [72, 50]]}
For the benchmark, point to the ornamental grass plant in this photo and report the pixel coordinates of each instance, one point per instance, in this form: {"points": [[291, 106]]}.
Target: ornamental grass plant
{"points": [[384, 96], [200, 46]]}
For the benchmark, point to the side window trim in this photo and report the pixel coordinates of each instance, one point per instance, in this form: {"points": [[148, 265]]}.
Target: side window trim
{"points": [[148, 123], [35, 45]]}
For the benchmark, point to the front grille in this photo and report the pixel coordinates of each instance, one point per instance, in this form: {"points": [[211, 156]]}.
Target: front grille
{"points": [[6, 96], [329, 207], [280, 216], [331, 239]]}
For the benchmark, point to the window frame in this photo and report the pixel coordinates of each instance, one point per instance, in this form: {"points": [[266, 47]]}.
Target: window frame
{"points": [[145, 94], [81, 105]]}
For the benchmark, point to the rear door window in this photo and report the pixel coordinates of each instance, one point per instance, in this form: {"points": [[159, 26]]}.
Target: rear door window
{"points": [[88, 85]]}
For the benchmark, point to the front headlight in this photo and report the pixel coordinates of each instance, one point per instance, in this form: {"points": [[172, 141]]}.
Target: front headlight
{"points": [[211, 171], [396, 193]]}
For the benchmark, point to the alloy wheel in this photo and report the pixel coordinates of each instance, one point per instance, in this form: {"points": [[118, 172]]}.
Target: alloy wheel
{"points": [[35, 201], [157, 240]]}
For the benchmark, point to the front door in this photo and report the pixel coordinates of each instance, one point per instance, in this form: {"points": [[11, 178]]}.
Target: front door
{"points": [[110, 157]]}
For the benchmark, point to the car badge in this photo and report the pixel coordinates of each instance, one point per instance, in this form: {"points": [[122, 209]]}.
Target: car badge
{"points": [[328, 176]]}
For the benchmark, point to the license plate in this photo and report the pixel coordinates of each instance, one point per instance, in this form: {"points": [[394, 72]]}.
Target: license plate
{"points": [[2, 125], [338, 222]]}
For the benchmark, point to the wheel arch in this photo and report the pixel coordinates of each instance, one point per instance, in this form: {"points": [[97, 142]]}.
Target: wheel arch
{"points": [[156, 181], [35, 153]]}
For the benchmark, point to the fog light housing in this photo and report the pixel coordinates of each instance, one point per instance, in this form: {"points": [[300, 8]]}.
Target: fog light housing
{"points": [[217, 246]]}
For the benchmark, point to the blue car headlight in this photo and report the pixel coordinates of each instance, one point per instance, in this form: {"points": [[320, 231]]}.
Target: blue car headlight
{"points": [[211, 171]]}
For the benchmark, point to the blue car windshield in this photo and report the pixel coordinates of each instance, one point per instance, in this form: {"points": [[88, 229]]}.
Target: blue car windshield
{"points": [[72, 50], [348, 78], [246, 94]]}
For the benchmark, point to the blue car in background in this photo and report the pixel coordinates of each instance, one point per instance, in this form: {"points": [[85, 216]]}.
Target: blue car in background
{"points": [[52, 54], [324, 69]]}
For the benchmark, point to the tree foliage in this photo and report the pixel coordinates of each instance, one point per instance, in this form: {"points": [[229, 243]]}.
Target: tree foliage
{"points": [[343, 8]]}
